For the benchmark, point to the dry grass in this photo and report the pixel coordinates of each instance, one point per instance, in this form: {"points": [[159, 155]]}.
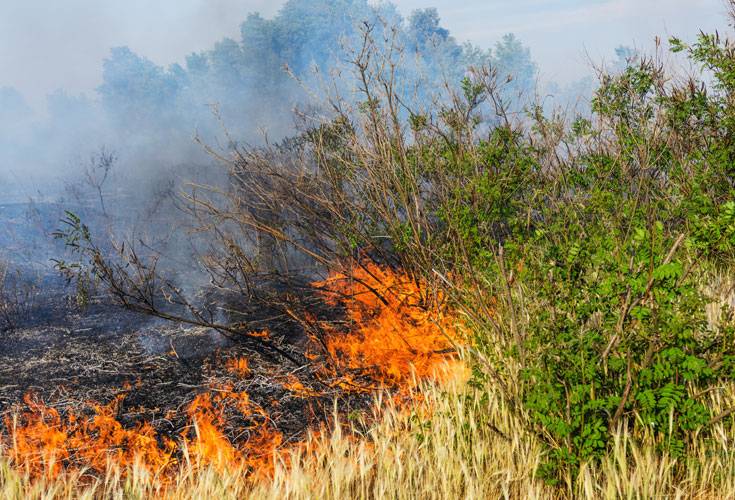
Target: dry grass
{"points": [[721, 288], [455, 442]]}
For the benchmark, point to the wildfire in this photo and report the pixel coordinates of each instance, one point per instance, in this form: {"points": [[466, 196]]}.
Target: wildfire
{"points": [[297, 388], [238, 366], [210, 447], [394, 337], [44, 442]]}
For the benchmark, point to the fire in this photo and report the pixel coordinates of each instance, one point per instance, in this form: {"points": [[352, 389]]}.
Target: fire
{"points": [[297, 388], [238, 366], [210, 447], [42, 441], [394, 338]]}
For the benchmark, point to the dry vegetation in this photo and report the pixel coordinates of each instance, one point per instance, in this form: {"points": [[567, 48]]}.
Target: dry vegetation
{"points": [[573, 265], [453, 443], [17, 296]]}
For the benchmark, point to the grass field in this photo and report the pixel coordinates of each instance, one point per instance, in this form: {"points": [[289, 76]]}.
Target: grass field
{"points": [[456, 443]]}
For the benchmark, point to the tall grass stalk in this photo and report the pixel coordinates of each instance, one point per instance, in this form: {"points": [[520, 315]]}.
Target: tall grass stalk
{"points": [[455, 442]]}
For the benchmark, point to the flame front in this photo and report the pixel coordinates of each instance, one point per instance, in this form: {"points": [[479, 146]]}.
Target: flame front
{"points": [[394, 338], [43, 442], [396, 335], [208, 446]]}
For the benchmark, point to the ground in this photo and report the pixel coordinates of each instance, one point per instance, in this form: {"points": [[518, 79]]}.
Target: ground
{"points": [[71, 358], [67, 357]]}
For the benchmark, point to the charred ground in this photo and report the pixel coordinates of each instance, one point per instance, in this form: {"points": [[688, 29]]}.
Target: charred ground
{"points": [[73, 359]]}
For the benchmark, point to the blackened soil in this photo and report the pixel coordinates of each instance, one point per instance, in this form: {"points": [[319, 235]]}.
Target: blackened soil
{"points": [[68, 357]]}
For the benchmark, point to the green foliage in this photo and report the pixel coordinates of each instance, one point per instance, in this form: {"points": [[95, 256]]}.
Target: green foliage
{"points": [[604, 249], [624, 334], [76, 237]]}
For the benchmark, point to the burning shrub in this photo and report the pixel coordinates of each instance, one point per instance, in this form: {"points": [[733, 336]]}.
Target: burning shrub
{"points": [[393, 334]]}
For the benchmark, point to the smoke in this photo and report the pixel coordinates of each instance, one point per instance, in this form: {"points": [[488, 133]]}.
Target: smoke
{"points": [[143, 80], [46, 46], [148, 111], [117, 155]]}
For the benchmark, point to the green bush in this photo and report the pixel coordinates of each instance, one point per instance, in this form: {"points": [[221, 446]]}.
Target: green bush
{"points": [[595, 241]]}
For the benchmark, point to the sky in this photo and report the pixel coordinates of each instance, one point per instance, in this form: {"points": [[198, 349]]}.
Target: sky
{"points": [[51, 44]]}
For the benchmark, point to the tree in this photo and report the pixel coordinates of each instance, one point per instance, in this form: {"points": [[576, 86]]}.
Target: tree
{"points": [[514, 64], [425, 28], [135, 91]]}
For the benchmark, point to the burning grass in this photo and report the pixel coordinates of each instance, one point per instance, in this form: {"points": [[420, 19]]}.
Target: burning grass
{"points": [[42, 442], [454, 442], [394, 334], [392, 338]]}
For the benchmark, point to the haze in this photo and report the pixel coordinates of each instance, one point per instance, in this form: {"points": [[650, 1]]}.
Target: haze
{"points": [[48, 44]]}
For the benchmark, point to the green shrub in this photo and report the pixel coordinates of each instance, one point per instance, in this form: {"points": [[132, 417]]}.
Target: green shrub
{"points": [[594, 243]]}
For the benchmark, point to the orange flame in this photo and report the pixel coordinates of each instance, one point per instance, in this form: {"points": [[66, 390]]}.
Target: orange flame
{"points": [[210, 447], [395, 337], [298, 389], [43, 442], [238, 366]]}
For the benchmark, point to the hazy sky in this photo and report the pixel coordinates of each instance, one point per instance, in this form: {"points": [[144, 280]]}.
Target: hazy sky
{"points": [[50, 44]]}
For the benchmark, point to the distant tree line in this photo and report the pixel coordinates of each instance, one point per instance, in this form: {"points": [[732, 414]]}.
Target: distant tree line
{"points": [[150, 113]]}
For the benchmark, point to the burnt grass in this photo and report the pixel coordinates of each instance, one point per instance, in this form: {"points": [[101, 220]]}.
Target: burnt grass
{"points": [[70, 358]]}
